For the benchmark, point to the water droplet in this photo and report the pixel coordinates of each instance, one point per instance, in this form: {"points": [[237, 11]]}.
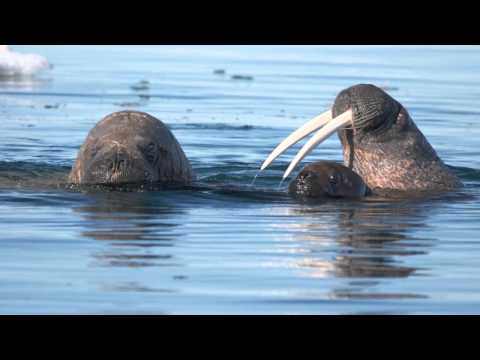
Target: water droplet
{"points": [[254, 178]]}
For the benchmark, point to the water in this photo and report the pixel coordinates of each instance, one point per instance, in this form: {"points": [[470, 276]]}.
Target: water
{"points": [[230, 246]]}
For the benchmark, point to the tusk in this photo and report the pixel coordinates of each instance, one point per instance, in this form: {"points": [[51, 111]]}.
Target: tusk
{"points": [[314, 124], [322, 134]]}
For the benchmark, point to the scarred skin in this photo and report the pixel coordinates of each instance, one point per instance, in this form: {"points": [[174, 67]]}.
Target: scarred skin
{"points": [[325, 179], [131, 147], [385, 147]]}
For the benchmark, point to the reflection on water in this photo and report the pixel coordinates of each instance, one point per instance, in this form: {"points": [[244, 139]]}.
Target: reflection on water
{"points": [[366, 240], [140, 227]]}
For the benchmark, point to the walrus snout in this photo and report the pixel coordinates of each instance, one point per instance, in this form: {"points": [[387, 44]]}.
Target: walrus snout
{"points": [[116, 164], [372, 108], [302, 184]]}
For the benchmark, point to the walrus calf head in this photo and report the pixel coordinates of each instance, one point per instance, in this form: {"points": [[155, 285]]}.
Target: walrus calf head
{"points": [[130, 147], [380, 141], [324, 179]]}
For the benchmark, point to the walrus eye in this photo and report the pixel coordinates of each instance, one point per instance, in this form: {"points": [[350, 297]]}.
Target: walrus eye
{"points": [[332, 185], [92, 149], [332, 179]]}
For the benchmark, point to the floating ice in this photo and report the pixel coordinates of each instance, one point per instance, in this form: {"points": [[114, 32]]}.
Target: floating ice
{"points": [[13, 64]]}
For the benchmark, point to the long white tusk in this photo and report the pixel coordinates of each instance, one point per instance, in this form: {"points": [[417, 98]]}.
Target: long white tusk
{"points": [[322, 134], [314, 124]]}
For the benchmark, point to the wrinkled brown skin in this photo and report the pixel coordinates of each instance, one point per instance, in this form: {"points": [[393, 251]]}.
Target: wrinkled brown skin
{"points": [[385, 147], [325, 179], [131, 147]]}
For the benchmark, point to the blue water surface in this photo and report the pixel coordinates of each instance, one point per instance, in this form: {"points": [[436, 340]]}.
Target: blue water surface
{"points": [[230, 247]]}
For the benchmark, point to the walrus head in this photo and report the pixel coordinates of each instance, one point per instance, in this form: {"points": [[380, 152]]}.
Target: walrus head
{"points": [[130, 147], [380, 142], [324, 179]]}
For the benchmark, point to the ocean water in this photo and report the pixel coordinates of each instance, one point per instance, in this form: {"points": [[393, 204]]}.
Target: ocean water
{"points": [[230, 247]]}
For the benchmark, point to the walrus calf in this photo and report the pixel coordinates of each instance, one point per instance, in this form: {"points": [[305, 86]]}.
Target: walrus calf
{"points": [[131, 147], [380, 141], [327, 179]]}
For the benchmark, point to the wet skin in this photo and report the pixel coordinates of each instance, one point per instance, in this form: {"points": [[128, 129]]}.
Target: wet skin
{"points": [[384, 146], [327, 179], [131, 147]]}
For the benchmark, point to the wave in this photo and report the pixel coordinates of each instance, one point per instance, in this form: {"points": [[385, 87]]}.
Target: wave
{"points": [[214, 126]]}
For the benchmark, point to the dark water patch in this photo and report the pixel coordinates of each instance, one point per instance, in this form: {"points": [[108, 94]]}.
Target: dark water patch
{"points": [[229, 174], [31, 175], [140, 244], [109, 233], [141, 86], [135, 261], [135, 287], [16, 147], [31, 168], [245, 194], [31, 140], [224, 143], [53, 149], [239, 177], [26, 197], [466, 173], [216, 126], [128, 104], [242, 77], [52, 106], [376, 296]]}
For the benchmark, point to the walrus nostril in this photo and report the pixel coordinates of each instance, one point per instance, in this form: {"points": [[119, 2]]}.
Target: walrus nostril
{"points": [[122, 165]]}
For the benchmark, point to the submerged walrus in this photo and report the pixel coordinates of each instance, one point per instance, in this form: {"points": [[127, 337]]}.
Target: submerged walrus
{"points": [[325, 179], [380, 141], [131, 147]]}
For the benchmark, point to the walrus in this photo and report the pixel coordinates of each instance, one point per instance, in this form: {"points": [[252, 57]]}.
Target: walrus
{"points": [[380, 142], [327, 179], [131, 147]]}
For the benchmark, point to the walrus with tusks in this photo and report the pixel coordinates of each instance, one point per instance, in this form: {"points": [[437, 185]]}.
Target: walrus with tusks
{"points": [[327, 179], [380, 141], [131, 147]]}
